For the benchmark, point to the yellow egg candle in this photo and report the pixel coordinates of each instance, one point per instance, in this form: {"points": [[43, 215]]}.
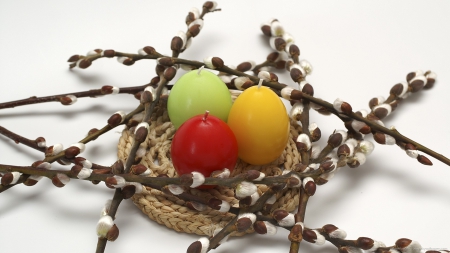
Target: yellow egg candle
{"points": [[260, 123]]}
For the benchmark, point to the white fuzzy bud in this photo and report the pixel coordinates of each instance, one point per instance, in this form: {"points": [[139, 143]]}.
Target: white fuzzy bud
{"points": [[264, 75], [106, 208], [288, 38], [205, 244], [432, 75], [306, 66], [271, 200], [63, 178], [138, 186], [366, 147], [140, 52], [413, 247], [183, 37], [91, 52], [388, 107], [338, 233], [120, 181], [337, 104], [251, 216], [357, 125], [142, 124], [376, 245], [121, 59], [239, 81], [255, 196], [297, 66], [141, 152], [296, 110], [196, 12], [224, 207], [16, 176], [244, 189], [225, 79], [188, 43], [260, 177], [405, 90], [84, 173], [270, 228], [303, 138], [315, 150], [42, 144], [276, 28], [286, 92], [412, 153], [208, 62], [175, 189], [152, 91], [197, 179], [287, 221], [225, 173], [306, 180], [196, 22], [313, 166], [360, 157], [104, 225], [389, 140], [320, 238], [35, 177]]}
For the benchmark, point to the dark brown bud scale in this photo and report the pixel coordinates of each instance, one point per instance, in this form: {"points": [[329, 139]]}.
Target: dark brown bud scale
{"points": [[92, 131], [380, 112], [118, 168], [194, 30], [402, 243], [176, 44], [109, 53], [74, 58], [7, 178], [346, 108], [364, 243], [186, 179], [280, 64], [365, 130], [75, 170], [296, 75], [128, 191], [294, 51], [215, 203], [137, 95], [329, 228], [189, 18], [115, 120], [315, 134], [293, 182], [208, 5], [29, 182], [343, 150], [397, 89], [195, 247], [309, 236], [39, 140], [243, 224], [328, 166], [56, 182], [128, 62], [310, 188], [170, 73], [65, 100], [113, 233], [266, 30], [272, 57], [416, 85], [252, 175], [410, 76], [217, 62], [84, 64], [410, 146], [280, 214], [424, 160], [149, 50], [101, 171], [245, 202], [111, 181], [245, 66], [280, 44], [379, 137], [71, 152], [430, 83], [146, 97], [260, 227], [335, 140], [138, 169], [301, 147], [106, 89], [165, 61], [373, 102], [308, 89]]}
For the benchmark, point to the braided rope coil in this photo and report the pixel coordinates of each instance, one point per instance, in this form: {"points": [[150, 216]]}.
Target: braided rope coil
{"points": [[171, 211]]}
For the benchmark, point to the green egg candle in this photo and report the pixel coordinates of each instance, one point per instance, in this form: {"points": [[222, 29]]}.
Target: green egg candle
{"points": [[196, 92]]}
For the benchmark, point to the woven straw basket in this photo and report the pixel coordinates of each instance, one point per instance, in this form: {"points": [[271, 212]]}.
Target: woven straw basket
{"points": [[171, 211]]}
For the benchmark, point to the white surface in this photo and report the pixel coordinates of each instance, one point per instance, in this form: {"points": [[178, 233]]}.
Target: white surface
{"points": [[358, 51]]}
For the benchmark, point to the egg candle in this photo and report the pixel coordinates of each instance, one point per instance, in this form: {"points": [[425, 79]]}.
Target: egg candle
{"points": [[194, 93], [260, 123]]}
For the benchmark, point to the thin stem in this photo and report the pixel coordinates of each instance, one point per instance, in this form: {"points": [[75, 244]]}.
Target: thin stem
{"points": [[20, 139]]}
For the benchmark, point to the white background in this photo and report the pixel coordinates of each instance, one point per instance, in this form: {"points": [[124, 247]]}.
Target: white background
{"points": [[358, 51]]}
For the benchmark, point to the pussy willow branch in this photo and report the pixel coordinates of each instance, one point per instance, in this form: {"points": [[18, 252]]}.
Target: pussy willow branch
{"points": [[134, 57], [56, 98], [96, 134], [328, 106]]}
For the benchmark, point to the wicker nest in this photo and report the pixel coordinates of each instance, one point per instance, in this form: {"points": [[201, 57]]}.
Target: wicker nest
{"points": [[171, 211]]}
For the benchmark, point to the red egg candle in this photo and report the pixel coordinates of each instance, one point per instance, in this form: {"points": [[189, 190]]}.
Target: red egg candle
{"points": [[260, 123], [194, 93], [204, 143]]}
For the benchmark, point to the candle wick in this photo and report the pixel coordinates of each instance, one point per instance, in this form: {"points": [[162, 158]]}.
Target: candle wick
{"points": [[206, 115], [200, 70], [260, 83]]}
